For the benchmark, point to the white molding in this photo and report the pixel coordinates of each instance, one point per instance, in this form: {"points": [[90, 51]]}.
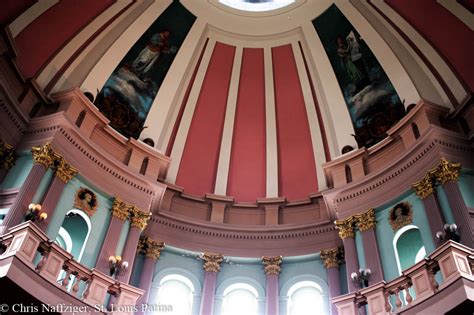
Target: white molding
{"points": [[426, 49], [31, 14], [228, 130], [458, 11], [75, 43], [182, 134], [271, 128], [312, 116]]}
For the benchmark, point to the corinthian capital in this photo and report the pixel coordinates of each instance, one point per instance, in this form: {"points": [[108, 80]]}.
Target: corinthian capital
{"points": [[424, 188], [272, 265], [332, 257], [366, 221], [43, 155], [345, 227], [119, 209], [447, 171], [138, 218], [212, 261], [7, 155], [64, 171]]}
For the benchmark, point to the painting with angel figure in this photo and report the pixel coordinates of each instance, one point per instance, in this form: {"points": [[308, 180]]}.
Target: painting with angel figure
{"points": [[371, 99], [129, 92]]}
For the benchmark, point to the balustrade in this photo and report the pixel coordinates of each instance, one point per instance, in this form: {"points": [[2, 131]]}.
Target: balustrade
{"points": [[29, 244], [418, 283]]}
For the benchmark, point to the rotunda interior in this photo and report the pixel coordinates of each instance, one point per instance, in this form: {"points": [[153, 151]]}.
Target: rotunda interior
{"points": [[237, 156]]}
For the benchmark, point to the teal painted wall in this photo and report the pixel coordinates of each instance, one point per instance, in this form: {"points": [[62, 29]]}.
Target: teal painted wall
{"points": [[99, 221], [385, 233], [43, 186], [360, 250], [122, 237], [444, 204], [466, 185], [17, 174]]}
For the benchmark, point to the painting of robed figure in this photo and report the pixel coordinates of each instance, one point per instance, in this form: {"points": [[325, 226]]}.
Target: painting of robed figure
{"points": [[129, 92], [373, 103]]}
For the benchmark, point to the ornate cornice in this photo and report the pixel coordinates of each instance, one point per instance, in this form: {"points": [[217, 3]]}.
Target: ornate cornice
{"points": [[346, 227], [447, 171], [43, 155], [424, 188], [272, 265], [332, 257], [138, 218], [7, 155], [63, 170], [366, 221], [212, 261], [119, 209]]}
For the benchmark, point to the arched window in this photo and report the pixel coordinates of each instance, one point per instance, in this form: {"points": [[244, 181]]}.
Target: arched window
{"points": [[176, 290], [240, 298], [305, 298], [74, 233], [408, 246]]}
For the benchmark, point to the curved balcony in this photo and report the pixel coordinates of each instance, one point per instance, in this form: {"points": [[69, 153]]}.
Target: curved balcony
{"points": [[420, 290], [49, 273]]}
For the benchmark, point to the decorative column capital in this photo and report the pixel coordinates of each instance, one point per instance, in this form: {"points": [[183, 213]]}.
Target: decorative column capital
{"points": [[43, 155], [366, 221], [424, 188], [212, 261], [332, 257], [119, 209], [447, 171], [138, 218], [345, 227], [63, 170], [272, 265], [7, 155], [154, 249], [150, 248]]}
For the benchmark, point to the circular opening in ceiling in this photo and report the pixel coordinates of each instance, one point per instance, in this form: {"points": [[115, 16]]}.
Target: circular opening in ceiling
{"points": [[256, 5]]}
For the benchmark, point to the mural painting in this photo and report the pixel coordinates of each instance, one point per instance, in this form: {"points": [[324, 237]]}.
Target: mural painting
{"points": [[373, 103], [129, 92]]}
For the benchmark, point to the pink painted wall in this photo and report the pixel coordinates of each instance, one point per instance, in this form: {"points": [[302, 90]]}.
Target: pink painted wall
{"points": [[247, 175], [451, 37], [296, 166], [46, 35], [11, 9], [169, 148], [198, 168]]}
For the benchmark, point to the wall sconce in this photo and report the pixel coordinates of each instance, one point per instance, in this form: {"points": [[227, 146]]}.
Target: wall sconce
{"points": [[361, 278], [117, 265], [34, 213], [450, 233]]}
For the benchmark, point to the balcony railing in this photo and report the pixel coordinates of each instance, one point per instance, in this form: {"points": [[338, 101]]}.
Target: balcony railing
{"points": [[416, 285], [89, 287]]}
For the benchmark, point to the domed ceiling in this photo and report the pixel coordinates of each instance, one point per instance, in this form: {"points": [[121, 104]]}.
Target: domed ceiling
{"points": [[247, 121]]}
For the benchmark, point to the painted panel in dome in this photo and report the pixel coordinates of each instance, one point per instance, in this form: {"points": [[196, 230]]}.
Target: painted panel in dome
{"points": [[129, 92], [371, 99]]}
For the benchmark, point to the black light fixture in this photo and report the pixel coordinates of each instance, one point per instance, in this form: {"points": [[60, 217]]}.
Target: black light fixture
{"points": [[450, 232], [361, 278]]}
